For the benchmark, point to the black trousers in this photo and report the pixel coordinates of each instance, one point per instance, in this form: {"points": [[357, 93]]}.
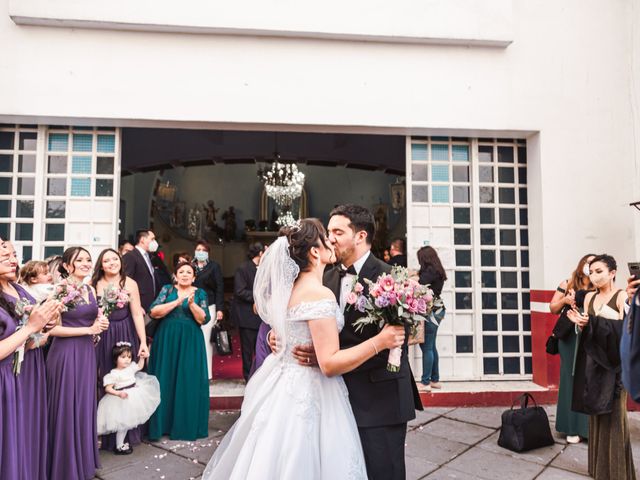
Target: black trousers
{"points": [[248, 337], [384, 451]]}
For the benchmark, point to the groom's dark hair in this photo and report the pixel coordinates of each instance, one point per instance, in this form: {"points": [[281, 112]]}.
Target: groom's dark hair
{"points": [[360, 217]]}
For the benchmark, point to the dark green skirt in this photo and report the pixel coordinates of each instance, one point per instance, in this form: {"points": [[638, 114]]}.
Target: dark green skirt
{"points": [[568, 421]]}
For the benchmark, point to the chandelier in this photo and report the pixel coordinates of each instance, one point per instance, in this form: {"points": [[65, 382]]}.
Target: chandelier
{"points": [[283, 183]]}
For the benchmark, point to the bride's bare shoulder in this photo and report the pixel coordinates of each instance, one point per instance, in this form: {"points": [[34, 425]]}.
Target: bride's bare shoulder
{"points": [[311, 293]]}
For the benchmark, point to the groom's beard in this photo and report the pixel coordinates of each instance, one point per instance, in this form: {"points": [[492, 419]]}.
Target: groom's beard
{"points": [[342, 255]]}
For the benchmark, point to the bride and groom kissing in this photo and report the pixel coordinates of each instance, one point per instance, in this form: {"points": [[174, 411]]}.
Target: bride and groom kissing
{"points": [[324, 405]]}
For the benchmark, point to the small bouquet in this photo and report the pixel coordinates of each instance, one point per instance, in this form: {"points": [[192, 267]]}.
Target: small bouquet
{"points": [[112, 299], [23, 309], [69, 294], [394, 299]]}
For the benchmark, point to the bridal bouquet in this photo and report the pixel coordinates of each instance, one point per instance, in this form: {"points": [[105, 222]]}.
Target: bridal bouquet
{"points": [[112, 299], [394, 299], [23, 309], [69, 294]]}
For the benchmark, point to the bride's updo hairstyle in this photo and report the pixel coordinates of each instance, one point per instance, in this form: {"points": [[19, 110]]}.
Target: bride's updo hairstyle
{"points": [[308, 233]]}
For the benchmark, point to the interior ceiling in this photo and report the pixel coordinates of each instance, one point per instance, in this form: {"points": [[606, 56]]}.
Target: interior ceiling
{"points": [[145, 149]]}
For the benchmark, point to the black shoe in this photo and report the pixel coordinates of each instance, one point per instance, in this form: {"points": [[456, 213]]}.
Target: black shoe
{"points": [[123, 449]]}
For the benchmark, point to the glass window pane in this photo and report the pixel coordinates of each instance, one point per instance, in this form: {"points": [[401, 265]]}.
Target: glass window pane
{"points": [[506, 175], [82, 142], [464, 343], [4, 230], [419, 171], [106, 143], [105, 166], [104, 187], [526, 322], [510, 344], [54, 232], [522, 196], [488, 279], [507, 216], [510, 322], [489, 322], [488, 258], [522, 175], [58, 142], [505, 154], [26, 186], [460, 153], [524, 216], [27, 253], [462, 236], [509, 301], [509, 279], [418, 151], [6, 163], [462, 215], [485, 173], [440, 173], [507, 237], [487, 215], [522, 155], [463, 258], [56, 186], [80, 164], [420, 193], [28, 140], [526, 341], [56, 209], [486, 195], [6, 185], [24, 231], [27, 163], [463, 279], [487, 236], [524, 238], [80, 187], [507, 195], [440, 194], [485, 153], [508, 258], [489, 300], [5, 209], [525, 279], [524, 258], [50, 251], [526, 300], [460, 194], [490, 366], [440, 152], [528, 369], [463, 301], [490, 343], [24, 208], [57, 164], [6, 140], [511, 365]]}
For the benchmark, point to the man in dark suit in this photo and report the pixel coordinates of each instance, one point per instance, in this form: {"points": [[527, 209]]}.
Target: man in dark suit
{"points": [[396, 251], [243, 314], [382, 401], [138, 265]]}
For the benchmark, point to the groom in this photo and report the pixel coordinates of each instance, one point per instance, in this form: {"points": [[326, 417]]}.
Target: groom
{"points": [[382, 402]]}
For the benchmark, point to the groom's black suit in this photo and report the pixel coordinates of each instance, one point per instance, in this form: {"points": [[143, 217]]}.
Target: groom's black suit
{"points": [[382, 401]]}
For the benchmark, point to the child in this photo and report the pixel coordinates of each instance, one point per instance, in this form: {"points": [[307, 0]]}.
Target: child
{"points": [[131, 397], [36, 279]]}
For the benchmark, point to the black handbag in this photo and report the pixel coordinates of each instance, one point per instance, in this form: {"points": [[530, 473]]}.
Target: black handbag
{"points": [[223, 342], [525, 428], [563, 327], [551, 346]]}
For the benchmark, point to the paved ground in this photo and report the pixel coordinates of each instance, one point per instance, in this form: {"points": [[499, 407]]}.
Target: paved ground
{"points": [[442, 443]]}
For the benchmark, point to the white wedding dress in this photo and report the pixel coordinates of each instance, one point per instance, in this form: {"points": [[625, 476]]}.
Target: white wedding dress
{"points": [[295, 422]]}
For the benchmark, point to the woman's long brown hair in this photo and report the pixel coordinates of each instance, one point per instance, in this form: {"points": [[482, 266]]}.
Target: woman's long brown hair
{"points": [[578, 280]]}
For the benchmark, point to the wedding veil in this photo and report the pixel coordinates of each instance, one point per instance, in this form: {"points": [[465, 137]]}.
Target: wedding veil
{"points": [[272, 288]]}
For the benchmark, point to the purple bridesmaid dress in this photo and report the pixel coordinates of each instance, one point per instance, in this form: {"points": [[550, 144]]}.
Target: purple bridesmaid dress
{"points": [[71, 388], [33, 408], [121, 329], [12, 461]]}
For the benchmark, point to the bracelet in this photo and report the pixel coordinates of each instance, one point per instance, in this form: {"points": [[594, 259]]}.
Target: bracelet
{"points": [[374, 346]]}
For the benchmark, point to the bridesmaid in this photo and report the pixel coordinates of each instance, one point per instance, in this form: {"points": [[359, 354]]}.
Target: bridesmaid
{"points": [[71, 380], [32, 378], [13, 454], [125, 324]]}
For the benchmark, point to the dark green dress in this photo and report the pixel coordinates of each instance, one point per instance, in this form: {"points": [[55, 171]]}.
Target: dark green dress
{"points": [[179, 361], [568, 421]]}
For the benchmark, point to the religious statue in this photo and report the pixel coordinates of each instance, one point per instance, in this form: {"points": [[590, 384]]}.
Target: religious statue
{"points": [[211, 215], [229, 218], [382, 229], [194, 222]]}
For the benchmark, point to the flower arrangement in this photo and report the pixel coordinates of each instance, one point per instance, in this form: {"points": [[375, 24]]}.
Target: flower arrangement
{"points": [[68, 293], [23, 309], [112, 299], [394, 299]]}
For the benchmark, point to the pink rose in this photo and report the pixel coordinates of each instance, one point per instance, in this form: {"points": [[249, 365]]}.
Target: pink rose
{"points": [[375, 291], [358, 288], [422, 306], [393, 298], [352, 298], [428, 297], [387, 283]]}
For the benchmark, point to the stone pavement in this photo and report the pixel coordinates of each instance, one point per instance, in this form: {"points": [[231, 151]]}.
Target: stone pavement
{"points": [[442, 443]]}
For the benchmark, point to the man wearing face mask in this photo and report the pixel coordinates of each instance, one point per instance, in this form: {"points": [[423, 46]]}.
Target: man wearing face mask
{"points": [[138, 265]]}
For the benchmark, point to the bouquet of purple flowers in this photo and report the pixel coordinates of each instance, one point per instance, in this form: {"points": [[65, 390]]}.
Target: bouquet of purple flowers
{"points": [[68, 293], [23, 309], [113, 298], [394, 299]]}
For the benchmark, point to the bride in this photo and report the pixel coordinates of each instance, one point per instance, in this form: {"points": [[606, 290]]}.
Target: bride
{"points": [[296, 421]]}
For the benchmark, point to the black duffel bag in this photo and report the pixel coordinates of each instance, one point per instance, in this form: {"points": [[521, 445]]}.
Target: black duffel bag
{"points": [[525, 428]]}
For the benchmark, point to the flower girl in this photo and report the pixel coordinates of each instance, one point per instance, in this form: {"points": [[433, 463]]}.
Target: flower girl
{"points": [[131, 397]]}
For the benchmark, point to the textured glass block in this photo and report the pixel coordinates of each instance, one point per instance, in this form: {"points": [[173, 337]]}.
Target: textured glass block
{"points": [[490, 366], [6, 163], [460, 153], [485, 153], [6, 140], [56, 209], [509, 279], [463, 279], [58, 142], [419, 151], [57, 186], [510, 344], [461, 236], [57, 164], [488, 258], [5, 230], [487, 216], [54, 232], [505, 154], [440, 152], [106, 143], [28, 140], [463, 301], [440, 173], [487, 236], [489, 322], [490, 344], [485, 173], [26, 186], [462, 215], [104, 187], [524, 258], [419, 171], [506, 175], [489, 301], [488, 279], [507, 195], [27, 163], [51, 251], [507, 216], [6, 185], [80, 187], [82, 142], [24, 231], [509, 301], [440, 194], [522, 155], [508, 258], [24, 208], [511, 365], [420, 193], [487, 195], [81, 164], [464, 343], [524, 278], [510, 322], [460, 194], [5, 209], [507, 237], [105, 166], [463, 258], [460, 173]]}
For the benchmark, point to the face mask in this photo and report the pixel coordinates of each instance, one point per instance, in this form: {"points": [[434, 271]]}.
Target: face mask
{"points": [[585, 270], [201, 255], [153, 246], [599, 279]]}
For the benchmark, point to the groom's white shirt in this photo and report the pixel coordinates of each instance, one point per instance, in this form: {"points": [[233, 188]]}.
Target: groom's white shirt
{"points": [[347, 281]]}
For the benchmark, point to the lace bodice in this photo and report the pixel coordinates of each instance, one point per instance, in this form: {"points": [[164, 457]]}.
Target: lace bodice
{"points": [[297, 316]]}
